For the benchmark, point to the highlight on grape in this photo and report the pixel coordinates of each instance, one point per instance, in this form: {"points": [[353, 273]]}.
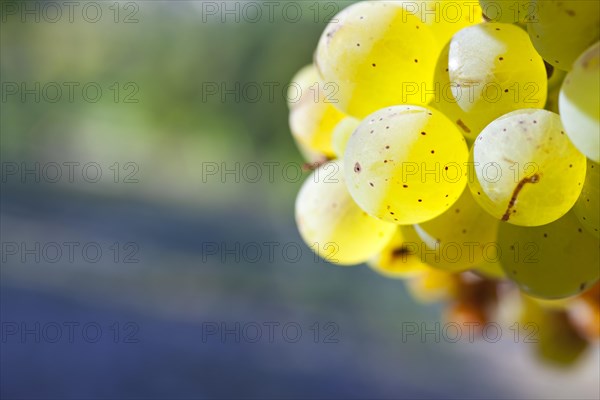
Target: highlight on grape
{"points": [[467, 145]]}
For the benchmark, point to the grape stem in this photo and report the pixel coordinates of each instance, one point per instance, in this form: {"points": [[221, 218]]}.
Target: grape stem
{"points": [[532, 179]]}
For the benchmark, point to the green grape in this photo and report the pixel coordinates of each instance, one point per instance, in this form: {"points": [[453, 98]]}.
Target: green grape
{"points": [[553, 261], [312, 114], [405, 164], [376, 52], [401, 257], [579, 103], [493, 69], [527, 171], [332, 224], [508, 11], [461, 237], [341, 133], [562, 30], [587, 207]]}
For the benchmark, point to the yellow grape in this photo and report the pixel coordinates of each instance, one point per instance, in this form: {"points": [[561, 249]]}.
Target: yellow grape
{"points": [[579, 103], [406, 164], [312, 113], [374, 51], [341, 133], [462, 237], [332, 224], [401, 257], [494, 69], [527, 171]]}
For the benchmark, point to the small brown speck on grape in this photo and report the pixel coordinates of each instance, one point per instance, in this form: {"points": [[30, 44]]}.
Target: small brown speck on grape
{"points": [[374, 65], [404, 186], [387, 147], [500, 58], [423, 133], [357, 167], [420, 200], [432, 151]]}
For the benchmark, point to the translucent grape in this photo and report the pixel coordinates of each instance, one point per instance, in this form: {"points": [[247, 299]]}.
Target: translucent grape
{"points": [[587, 207], [312, 114], [332, 224], [553, 261], [401, 257], [494, 69], [406, 164], [579, 103], [461, 237], [341, 133], [374, 50], [527, 171], [562, 30]]}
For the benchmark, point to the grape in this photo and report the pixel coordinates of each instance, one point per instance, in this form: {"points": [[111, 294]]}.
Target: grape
{"points": [[401, 257], [312, 114], [587, 207], [405, 164], [507, 11], [433, 285], [461, 237], [471, 120], [562, 30], [494, 69], [527, 170], [373, 51], [553, 261], [579, 103], [341, 133], [332, 224]]}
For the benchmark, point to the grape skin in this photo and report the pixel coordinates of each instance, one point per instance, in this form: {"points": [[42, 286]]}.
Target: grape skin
{"points": [[553, 261], [494, 69], [527, 171], [341, 134], [587, 208], [364, 50], [332, 224], [312, 116], [579, 103], [460, 235], [562, 30], [389, 155]]}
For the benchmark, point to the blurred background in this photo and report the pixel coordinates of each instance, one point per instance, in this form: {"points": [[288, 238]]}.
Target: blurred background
{"points": [[148, 242]]}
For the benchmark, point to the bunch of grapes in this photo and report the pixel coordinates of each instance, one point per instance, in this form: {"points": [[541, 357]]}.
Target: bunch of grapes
{"points": [[455, 146]]}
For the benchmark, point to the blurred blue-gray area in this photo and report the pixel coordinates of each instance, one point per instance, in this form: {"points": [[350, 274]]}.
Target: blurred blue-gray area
{"points": [[164, 279]]}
